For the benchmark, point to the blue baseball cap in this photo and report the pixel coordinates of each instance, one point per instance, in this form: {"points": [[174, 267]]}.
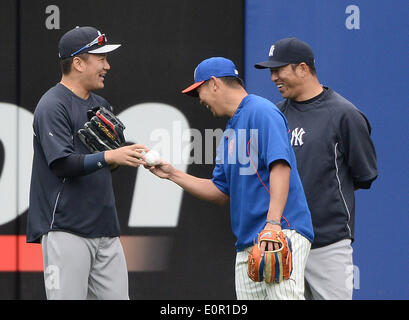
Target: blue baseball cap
{"points": [[217, 67]]}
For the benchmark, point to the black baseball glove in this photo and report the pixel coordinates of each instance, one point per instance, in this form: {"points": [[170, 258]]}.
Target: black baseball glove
{"points": [[103, 131]]}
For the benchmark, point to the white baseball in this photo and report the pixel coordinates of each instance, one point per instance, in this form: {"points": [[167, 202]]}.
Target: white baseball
{"points": [[152, 158]]}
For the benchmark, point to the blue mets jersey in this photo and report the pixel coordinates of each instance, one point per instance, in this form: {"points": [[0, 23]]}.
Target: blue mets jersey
{"points": [[255, 137]]}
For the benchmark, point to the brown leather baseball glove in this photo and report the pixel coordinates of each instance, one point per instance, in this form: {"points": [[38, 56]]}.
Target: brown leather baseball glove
{"points": [[275, 265]]}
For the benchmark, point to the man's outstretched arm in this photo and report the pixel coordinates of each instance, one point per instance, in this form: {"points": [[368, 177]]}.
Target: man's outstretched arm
{"points": [[201, 188]]}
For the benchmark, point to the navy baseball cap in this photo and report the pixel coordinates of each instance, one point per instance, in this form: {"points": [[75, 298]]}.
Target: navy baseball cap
{"points": [[84, 39], [217, 67], [287, 51]]}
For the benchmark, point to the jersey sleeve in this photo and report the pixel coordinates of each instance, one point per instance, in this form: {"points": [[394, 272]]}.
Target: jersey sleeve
{"points": [[219, 176], [358, 148], [219, 179], [273, 137], [52, 129]]}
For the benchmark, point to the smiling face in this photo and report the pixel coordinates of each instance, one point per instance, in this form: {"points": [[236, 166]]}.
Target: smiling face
{"points": [[289, 81], [94, 71], [207, 96]]}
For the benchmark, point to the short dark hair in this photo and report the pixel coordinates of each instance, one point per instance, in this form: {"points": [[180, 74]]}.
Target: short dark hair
{"points": [[232, 81], [67, 62], [311, 67]]}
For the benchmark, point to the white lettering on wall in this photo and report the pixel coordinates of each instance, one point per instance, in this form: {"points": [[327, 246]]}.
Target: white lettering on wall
{"points": [[353, 20]]}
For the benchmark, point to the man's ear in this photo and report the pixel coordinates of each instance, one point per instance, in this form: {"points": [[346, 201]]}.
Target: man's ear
{"points": [[303, 69], [78, 64], [214, 83]]}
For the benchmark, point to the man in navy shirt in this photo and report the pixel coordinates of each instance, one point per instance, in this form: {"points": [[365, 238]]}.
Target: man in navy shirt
{"points": [[72, 207], [335, 156], [255, 172]]}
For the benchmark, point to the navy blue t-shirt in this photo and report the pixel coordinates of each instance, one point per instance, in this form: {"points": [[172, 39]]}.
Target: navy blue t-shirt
{"points": [[83, 205]]}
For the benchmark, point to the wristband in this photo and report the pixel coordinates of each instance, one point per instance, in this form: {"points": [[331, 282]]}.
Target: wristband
{"points": [[93, 162], [273, 222]]}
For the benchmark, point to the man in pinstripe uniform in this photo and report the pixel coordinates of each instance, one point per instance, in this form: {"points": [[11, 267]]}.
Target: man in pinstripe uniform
{"points": [[255, 172], [335, 156]]}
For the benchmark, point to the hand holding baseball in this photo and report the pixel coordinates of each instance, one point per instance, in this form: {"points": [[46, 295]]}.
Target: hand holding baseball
{"points": [[152, 158], [157, 166], [129, 155], [164, 170]]}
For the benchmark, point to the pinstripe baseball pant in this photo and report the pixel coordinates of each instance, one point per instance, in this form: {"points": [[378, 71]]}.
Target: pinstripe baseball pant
{"points": [[292, 289]]}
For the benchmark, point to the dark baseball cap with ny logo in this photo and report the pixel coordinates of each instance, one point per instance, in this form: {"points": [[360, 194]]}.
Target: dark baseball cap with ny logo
{"points": [[287, 51]]}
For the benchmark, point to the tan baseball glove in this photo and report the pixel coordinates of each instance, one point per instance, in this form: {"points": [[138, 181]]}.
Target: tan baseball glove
{"points": [[275, 265]]}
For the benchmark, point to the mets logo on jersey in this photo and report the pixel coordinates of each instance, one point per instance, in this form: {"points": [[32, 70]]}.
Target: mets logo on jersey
{"points": [[297, 137], [231, 146]]}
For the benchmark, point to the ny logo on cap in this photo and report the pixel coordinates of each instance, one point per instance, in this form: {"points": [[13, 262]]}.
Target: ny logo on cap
{"points": [[270, 54]]}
